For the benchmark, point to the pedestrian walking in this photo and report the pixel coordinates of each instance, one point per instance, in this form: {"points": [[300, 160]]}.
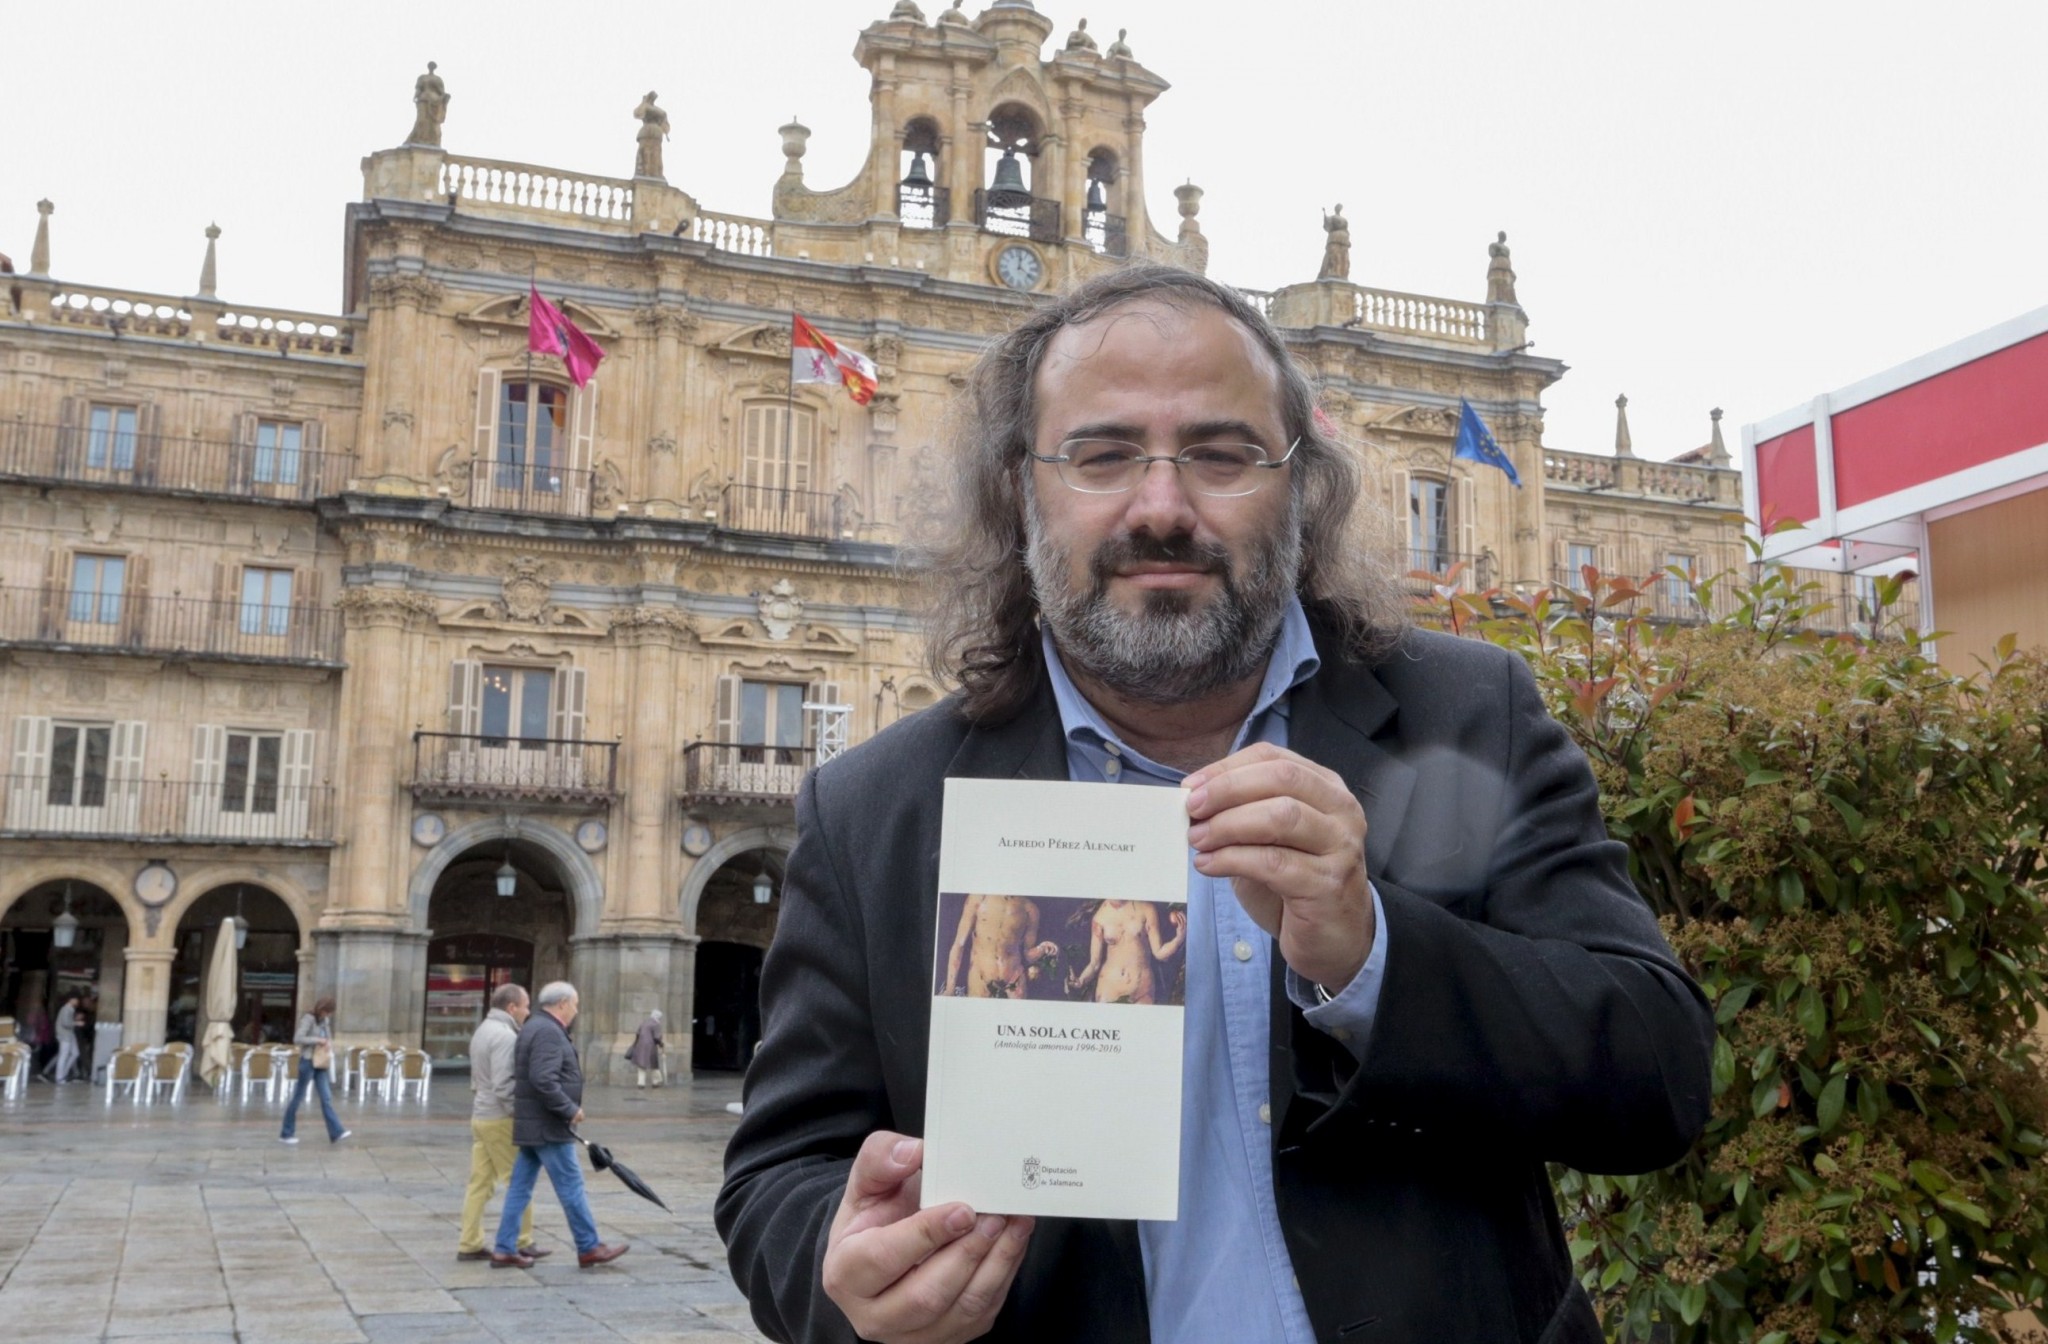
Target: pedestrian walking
{"points": [[491, 1051], [645, 1056], [547, 1104], [59, 1071], [315, 1040]]}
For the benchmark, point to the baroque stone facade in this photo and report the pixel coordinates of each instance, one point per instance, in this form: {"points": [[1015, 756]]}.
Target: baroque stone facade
{"points": [[354, 622]]}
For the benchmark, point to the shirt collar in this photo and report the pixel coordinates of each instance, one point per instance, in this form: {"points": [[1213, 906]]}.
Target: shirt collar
{"points": [[1293, 662]]}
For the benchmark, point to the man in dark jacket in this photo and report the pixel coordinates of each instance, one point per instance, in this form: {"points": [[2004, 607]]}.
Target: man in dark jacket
{"points": [[547, 1104], [1417, 970]]}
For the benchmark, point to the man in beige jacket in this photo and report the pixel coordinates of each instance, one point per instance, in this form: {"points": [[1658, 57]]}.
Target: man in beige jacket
{"points": [[490, 1121]]}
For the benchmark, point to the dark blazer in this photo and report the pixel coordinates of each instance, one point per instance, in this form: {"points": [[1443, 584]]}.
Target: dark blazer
{"points": [[1531, 1012], [547, 1082]]}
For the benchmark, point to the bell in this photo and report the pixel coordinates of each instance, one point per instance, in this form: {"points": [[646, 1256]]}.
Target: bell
{"points": [[1009, 174], [1097, 204], [919, 177]]}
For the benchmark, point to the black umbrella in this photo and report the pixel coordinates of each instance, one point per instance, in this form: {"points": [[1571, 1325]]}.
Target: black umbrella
{"points": [[601, 1159]]}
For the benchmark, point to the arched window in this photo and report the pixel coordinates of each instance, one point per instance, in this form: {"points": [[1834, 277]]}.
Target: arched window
{"points": [[1102, 224], [920, 201], [1008, 204]]}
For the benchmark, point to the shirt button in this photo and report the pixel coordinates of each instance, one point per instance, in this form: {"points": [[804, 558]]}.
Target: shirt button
{"points": [[1112, 767], [1265, 1112], [1342, 1033], [1112, 748], [1243, 950]]}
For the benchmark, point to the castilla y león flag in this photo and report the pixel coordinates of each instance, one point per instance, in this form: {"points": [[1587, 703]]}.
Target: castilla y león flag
{"points": [[550, 333], [815, 357]]}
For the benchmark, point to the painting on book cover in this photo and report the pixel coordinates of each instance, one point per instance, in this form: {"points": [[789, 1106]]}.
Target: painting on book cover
{"points": [[1060, 949]]}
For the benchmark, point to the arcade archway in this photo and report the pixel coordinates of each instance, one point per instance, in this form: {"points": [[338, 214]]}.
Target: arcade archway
{"points": [[481, 939], [36, 975], [734, 928], [267, 965]]}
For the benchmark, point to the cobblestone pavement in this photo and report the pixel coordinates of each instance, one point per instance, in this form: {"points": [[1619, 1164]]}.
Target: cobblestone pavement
{"points": [[190, 1222]]}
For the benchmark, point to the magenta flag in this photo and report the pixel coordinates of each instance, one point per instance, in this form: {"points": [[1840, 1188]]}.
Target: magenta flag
{"points": [[550, 333]]}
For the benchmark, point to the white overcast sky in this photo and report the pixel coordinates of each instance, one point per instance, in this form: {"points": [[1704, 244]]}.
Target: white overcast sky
{"points": [[1736, 203]]}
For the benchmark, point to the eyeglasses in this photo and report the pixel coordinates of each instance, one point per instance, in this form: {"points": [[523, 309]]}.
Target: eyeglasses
{"points": [[1111, 466]]}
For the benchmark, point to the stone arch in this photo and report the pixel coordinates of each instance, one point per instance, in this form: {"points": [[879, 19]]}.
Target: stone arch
{"points": [[775, 838], [586, 885], [196, 886], [21, 878]]}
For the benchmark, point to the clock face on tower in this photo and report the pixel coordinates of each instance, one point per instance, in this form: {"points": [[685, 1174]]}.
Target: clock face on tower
{"points": [[1019, 267]]}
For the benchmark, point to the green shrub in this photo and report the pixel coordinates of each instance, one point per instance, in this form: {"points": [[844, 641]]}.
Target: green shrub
{"points": [[1843, 842]]}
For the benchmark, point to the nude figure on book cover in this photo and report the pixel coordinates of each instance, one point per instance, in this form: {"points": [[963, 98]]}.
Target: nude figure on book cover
{"points": [[998, 938], [1124, 945]]}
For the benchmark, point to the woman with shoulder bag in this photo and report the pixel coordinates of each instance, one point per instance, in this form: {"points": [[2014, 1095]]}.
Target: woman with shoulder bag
{"points": [[315, 1040]]}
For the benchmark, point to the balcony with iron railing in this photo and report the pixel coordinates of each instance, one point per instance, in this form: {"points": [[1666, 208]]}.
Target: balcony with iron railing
{"points": [[1016, 214], [128, 460], [96, 807], [729, 774], [530, 487], [66, 620], [1105, 233], [545, 772], [924, 207], [782, 513]]}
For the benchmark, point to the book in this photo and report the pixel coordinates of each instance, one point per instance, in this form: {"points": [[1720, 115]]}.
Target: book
{"points": [[1058, 979]]}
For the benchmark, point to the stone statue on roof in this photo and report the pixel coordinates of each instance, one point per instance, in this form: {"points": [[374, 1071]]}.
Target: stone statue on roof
{"points": [[1336, 246], [1500, 275], [954, 16], [430, 103], [907, 9], [1078, 40], [1121, 47], [653, 130]]}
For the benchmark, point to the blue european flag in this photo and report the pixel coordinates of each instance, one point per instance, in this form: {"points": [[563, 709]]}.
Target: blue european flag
{"points": [[1475, 443]]}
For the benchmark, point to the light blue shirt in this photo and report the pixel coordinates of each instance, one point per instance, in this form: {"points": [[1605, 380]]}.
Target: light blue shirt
{"points": [[1221, 1271]]}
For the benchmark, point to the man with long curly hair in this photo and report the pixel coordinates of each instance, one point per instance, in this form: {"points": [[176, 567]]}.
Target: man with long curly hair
{"points": [[1416, 970]]}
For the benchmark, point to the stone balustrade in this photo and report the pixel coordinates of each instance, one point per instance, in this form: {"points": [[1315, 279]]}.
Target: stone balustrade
{"points": [[1685, 482], [1419, 315], [130, 314], [1581, 471], [734, 233], [1261, 299], [524, 187]]}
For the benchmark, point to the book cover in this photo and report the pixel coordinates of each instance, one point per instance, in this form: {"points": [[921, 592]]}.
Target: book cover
{"points": [[1058, 978]]}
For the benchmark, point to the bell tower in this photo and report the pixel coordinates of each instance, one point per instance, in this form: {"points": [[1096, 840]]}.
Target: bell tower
{"points": [[990, 162]]}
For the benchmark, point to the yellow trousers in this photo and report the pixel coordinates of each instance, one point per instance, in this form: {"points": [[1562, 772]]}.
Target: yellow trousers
{"points": [[490, 1166]]}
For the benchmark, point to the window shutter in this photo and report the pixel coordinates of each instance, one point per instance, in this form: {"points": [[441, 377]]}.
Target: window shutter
{"points": [[569, 707], [56, 587], [149, 443], [1404, 527], [725, 719], [313, 480], [242, 450], [209, 764], [135, 608], [803, 452], [583, 428], [296, 777], [124, 774], [1467, 507], [31, 770], [487, 381], [309, 624], [72, 414], [465, 697]]}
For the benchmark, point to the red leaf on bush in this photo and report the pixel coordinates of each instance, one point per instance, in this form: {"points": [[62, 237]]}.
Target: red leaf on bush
{"points": [[1682, 817], [1784, 1095]]}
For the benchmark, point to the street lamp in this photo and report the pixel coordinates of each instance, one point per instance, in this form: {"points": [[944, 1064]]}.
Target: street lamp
{"points": [[64, 928], [508, 876], [764, 890]]}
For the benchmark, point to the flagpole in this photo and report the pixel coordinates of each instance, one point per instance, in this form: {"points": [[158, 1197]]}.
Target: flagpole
{"points": [[789, 412]]}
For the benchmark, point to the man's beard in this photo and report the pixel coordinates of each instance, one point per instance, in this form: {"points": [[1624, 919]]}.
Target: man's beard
{"points": [[1173, 650]]}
